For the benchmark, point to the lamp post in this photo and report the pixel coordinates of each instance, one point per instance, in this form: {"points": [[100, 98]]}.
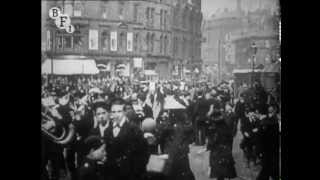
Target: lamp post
{"points": [[252, 61]]}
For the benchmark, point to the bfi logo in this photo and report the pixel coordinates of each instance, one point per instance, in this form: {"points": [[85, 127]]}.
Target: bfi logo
{"points": [[62, 21]]}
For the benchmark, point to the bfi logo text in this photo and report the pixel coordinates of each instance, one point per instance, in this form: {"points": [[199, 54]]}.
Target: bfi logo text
{"points": [[62, 21]]}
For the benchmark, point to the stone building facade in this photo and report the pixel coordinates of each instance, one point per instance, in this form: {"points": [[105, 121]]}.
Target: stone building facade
{"points": [[163, 33], [221, 49]]}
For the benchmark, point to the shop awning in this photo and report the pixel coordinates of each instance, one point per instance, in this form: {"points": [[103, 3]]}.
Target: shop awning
{"points": [[150, 73], [235, 71], [69, 66]]}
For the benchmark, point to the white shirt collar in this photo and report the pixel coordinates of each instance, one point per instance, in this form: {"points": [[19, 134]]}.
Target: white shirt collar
{"points": [[103, 128], [121, 122]]}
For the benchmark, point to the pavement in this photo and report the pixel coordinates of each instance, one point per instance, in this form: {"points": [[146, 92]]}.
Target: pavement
{"points": [[199, 162]]}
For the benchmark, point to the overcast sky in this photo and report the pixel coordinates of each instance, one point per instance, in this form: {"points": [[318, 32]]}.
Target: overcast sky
{"points": [[211, 6]]}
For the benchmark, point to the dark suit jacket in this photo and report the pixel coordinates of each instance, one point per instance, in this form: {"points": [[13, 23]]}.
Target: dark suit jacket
{"points": [[147, 111], [127, 154], [96, 131]]}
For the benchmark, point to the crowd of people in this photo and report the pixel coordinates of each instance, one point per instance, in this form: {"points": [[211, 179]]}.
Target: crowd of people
{"points": [[114, 137]]}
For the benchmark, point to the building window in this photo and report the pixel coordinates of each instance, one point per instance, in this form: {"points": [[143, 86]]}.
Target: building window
{"points": [[175, 46], [152, 16], [63, 41], [175, 16], [190, 22], [135, 13], [184, 47], [77, 39], [180, 47], [121, 7], [166, 44], [105, 41], [161, 44], [187, 20], [161, 18], [136, 43], [152, 43], [77, 8], [48, 41], [59, 41], [122, 41], [184, 18], [68, 8], [148, 42], [147, 15], [105, 12], [150, 66], [190, 49], [67, 42], [165, 19]]}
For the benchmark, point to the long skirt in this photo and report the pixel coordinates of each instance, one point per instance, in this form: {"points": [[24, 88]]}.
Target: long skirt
{"points": [[222, 163]]}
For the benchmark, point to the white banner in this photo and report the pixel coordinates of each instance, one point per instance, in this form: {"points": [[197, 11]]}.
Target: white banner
{"points": [[126, 70], [137, 62], [48, 40], [113, 40], [129, 41], [93, 39]]}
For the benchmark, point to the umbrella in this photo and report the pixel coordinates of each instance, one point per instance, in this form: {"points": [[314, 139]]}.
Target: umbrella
{"points": [[171, 103]]}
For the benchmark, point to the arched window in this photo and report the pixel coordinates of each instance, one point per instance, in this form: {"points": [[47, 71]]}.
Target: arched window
{"points": [[105, 41]]}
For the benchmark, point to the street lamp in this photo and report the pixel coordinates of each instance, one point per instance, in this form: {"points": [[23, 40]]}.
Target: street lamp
{"points": [[252, 61]]}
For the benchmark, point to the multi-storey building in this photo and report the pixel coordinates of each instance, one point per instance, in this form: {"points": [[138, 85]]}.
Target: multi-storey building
{"points": [[222, 29], [163, 33]]}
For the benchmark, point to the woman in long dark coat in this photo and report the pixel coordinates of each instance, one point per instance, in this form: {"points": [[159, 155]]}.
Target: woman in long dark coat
{"points": [[220, 146], [175, 139]]}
